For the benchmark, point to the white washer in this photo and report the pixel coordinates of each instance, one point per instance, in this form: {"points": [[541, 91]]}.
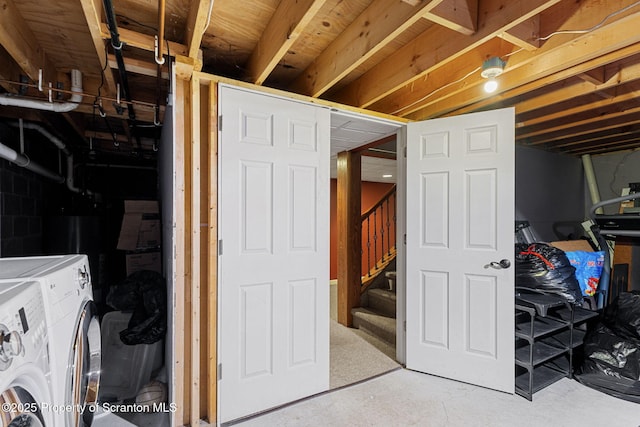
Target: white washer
{"points": [[24, 356], [73, 330]]}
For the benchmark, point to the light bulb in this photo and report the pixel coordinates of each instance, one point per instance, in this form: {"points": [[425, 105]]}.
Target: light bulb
{"points": [[490, 86]]}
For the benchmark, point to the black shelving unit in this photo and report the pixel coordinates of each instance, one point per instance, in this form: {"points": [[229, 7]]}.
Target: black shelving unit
{"points": [[548, 330]]}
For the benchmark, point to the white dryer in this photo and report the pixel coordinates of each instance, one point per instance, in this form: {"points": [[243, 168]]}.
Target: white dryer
{"points": [[73, 330], [24, 359]]}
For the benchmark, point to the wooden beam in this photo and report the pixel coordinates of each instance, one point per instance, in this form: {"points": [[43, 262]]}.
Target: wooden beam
{"points": [[93, 15], [144, 41], [10, 72], [20, 42], [373, 29], [287, 23], [197, 22], [544, 82], [349, 229], [526, 35], [136, 66], [428, 51], [186, 66], [555, 56], [457, 15], [582, 127], [595, 76]]}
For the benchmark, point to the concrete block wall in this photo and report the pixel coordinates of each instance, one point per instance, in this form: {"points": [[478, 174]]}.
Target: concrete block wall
{"points": [[21, 208]]}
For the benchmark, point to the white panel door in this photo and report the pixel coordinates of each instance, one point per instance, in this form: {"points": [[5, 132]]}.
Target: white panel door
{"points": [[274, 262], [460, 225]]}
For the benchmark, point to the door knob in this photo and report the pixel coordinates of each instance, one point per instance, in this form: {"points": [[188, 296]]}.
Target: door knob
{"points": [[503, 263]]}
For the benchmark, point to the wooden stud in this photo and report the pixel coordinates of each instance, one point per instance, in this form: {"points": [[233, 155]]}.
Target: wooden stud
{"points": [[180, 306], [194, 404], [212, 216]]}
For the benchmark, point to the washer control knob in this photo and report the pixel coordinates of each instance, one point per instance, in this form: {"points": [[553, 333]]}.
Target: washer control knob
{"points": [[12, 344], [83, 277]]}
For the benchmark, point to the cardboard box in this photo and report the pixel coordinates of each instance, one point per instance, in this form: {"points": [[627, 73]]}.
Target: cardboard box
{"points": [[573, 245], [144, 261], [140, 226]]}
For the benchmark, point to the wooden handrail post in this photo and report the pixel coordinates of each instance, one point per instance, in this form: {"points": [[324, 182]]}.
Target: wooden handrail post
{"points": [[349, 235]]}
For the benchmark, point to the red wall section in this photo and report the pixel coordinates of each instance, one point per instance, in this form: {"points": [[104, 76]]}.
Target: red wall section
{"points": [[372, 192]]}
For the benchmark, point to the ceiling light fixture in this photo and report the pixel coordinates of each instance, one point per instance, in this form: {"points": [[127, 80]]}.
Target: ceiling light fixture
{"points": [[492, 68], [387, 175]]}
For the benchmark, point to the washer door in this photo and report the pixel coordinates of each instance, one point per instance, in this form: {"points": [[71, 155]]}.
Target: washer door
{"points": [[83, 372], [19, 409]]}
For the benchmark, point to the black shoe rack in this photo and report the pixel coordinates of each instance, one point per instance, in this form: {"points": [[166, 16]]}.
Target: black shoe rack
{"points": [[548, 332]]}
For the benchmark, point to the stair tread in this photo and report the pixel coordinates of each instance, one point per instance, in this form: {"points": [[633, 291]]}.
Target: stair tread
{"points": [[377, 324], [374, 317], [383, 293]]}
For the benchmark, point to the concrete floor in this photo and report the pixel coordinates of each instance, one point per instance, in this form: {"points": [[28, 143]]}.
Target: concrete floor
{"points": [[407, 398]]}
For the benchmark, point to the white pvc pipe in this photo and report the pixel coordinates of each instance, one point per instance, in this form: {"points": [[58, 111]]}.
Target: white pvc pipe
{"points": [[592, 183], [23, 161], [55, 140], [58, 107]]}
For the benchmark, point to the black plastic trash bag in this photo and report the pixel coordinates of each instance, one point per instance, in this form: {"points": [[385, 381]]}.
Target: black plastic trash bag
{"points": [[623, 315], [546, 268], [143, 292], [611, 364]]}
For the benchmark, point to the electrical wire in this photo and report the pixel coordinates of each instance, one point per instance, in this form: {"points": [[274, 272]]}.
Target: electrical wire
{"points": [[595, 27], [436, 91]]}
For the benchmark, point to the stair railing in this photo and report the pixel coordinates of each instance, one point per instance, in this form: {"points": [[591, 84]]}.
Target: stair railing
{"points": [[379, 233]]}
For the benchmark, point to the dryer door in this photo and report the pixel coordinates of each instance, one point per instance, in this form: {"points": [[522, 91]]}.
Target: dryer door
{"points": [[83, 373]]}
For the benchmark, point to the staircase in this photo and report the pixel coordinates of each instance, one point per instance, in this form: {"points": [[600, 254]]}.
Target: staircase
{"points": [[376, 318]]}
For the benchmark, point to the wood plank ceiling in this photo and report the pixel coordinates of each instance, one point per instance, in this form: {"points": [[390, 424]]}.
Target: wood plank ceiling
{"points": [[571, 67]]}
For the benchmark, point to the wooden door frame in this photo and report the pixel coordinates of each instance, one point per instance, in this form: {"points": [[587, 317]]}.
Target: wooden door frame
{"points": [[195, 281]]}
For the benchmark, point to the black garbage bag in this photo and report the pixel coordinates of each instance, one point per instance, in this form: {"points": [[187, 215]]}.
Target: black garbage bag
{"points": [[623, 315], [611, 364], [143, 292], [546, 268]]}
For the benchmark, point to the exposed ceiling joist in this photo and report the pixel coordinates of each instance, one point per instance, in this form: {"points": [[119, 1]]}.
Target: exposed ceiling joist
{"points": [[93, 12], [428, 51], [144, 41], [457, 15], [525, 35], [373, 29], [197, 21], [286, 24], [524, 67], [20, 42]]}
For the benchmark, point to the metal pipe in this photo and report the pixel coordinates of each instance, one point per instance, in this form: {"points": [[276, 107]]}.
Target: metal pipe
{"points": [[591, 180], [24, 162], [55, 140], [160, 36], [116, 43], [58, 107]]}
